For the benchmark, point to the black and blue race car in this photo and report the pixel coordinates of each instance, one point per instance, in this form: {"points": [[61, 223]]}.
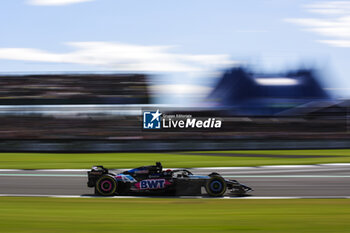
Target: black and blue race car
{"points": [[153, 180]]}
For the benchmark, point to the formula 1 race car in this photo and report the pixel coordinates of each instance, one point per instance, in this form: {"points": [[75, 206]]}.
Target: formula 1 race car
{"points": [[153, 180]]}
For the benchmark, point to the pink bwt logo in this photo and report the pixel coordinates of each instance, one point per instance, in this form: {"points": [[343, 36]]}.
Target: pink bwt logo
{"points": [[152, 184]]}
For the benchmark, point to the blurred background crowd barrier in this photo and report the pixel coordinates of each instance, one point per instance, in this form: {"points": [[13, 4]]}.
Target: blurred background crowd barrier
{"points": [[104, 112]]}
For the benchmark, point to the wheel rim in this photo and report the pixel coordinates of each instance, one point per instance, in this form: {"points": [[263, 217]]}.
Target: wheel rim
{"points": [[216, 186], [106, 186]]}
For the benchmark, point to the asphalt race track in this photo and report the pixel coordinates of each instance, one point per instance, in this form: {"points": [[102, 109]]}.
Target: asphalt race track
{"points": [[329, 180]]}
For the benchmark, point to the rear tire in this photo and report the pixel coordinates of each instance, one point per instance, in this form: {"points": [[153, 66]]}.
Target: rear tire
{"points": [[216, 186], [106, 185]]}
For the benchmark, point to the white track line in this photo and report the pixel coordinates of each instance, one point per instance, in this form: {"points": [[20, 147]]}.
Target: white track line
{"points": [[64, 170], [286, 171], [222, 168], [335, 164], [287, 166], [287, 176], [199, 168]]}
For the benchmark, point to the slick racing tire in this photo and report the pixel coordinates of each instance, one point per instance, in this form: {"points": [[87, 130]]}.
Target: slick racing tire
{"points": [[216, 186], [106, 186]]}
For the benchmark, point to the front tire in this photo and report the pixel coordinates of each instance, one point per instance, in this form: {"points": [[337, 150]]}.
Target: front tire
{"points": [[106, 185], [216, 186]]}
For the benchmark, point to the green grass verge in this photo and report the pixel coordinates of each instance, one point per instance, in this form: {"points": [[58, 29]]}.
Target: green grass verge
{"points": [[128, 160], [172, 215]]}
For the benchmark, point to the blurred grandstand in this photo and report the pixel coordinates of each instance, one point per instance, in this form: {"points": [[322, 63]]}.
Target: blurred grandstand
{"points": [[291, 106], [73, 89], [244, 93]]}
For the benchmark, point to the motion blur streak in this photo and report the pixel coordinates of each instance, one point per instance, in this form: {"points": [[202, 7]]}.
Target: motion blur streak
{"points": [[252, 106], [316, 181]]}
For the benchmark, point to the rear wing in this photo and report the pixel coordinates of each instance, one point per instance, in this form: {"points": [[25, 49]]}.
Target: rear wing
{"points": [[99, 168], [95, 173]]}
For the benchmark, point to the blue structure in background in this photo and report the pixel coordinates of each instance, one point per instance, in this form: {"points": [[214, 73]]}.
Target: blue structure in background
{"points": [[242, 92]]}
